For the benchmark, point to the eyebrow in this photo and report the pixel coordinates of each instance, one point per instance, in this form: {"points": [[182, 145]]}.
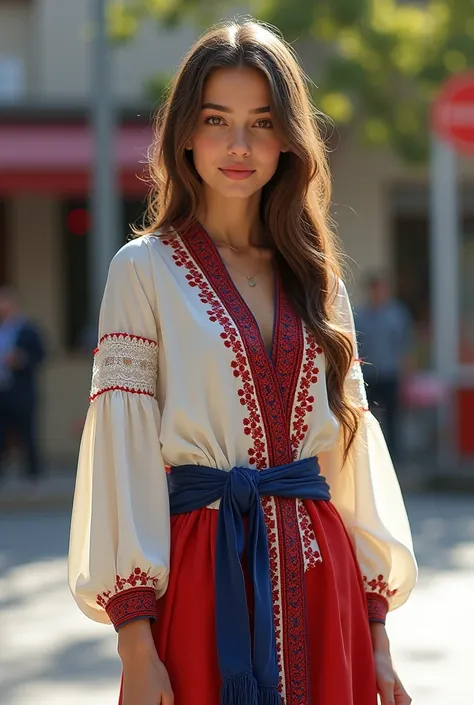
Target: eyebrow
{"points": [[224, 109]]}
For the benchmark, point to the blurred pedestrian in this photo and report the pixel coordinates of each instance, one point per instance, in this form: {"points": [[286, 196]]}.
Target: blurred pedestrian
{"points": [[385, 335], [227, 353], [21, 352]]}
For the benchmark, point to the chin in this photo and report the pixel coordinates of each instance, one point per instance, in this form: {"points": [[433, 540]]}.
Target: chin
{"points": [[242, 189], [239, 192]]}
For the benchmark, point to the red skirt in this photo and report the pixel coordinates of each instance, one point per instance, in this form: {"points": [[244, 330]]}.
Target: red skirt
{"points": [[320, 611]]}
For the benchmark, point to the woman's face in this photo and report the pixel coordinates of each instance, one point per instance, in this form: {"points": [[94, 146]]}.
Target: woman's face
{"points": [[235, 146]]}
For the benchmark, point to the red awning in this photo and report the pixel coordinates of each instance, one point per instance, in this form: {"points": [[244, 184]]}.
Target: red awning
{"points": [[59, 158]]}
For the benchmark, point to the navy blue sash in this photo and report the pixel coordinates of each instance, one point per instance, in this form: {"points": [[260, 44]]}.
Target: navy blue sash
{"points": [[244, 680]]}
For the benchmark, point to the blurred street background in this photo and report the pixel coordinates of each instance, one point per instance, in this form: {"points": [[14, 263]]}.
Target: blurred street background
{"points": [[79, 83]]}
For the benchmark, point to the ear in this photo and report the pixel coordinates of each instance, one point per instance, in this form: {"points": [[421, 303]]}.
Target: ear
{"points": [[189, 147], [284, 149]]}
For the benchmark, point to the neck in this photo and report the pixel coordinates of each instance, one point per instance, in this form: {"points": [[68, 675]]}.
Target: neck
{"points": [[232, 221]]}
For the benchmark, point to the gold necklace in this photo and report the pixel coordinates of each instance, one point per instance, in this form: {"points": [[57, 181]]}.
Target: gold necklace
{"points": [[225, 244], [251, 280]]}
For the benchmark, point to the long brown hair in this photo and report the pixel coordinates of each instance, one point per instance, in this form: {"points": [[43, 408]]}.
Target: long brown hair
{"points": [[295, 203]]}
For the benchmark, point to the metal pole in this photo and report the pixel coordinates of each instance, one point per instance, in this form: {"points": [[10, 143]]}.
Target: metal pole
{"points": [[444, 215], [104, 197]]}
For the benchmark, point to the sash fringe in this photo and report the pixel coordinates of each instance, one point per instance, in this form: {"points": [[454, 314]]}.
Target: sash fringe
{"points": [[240, 690], [269, 695]]}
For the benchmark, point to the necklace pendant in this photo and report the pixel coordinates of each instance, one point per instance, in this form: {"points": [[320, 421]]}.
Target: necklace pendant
{"points": [[252, 282]]}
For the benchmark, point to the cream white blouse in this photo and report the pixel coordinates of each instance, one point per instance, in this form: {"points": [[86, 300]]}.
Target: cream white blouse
{"points": [[181, 376]]}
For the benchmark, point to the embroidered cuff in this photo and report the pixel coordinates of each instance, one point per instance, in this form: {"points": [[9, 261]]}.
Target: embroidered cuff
{"points": [[377, 607], [135, 603]]}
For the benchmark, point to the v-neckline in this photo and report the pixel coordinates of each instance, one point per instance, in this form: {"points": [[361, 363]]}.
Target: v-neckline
{"points": [[275, 375], [276, 296]]}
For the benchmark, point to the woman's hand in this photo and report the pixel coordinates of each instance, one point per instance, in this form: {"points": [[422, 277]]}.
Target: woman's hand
{"points": [[145, 679], [389, 685]]}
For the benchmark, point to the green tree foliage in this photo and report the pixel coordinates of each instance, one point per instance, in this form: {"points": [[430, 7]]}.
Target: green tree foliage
{"points": [[377, 63]]}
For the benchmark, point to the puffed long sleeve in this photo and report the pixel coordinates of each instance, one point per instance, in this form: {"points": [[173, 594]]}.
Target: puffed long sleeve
{"points": [[366, 492], [119, 541]]}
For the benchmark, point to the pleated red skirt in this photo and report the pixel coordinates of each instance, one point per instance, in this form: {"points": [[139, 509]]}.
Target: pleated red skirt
{"points": [[323, 636]]}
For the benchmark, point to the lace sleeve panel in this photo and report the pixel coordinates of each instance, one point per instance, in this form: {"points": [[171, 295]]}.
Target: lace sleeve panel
{"points": [[125, 362], [355, 386]]}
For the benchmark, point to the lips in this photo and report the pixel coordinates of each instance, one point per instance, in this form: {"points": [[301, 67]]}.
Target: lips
{"points": [[237, 172]]}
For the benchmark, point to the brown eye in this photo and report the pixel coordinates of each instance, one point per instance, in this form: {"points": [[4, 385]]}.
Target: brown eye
{"points": [[214, 120], [265, 123]]}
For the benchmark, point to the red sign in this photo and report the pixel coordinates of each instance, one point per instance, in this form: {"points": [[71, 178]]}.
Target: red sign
{"points": [[453, 112]]}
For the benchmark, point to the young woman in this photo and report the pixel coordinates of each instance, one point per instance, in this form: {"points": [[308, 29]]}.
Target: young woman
{"points": [[227, 392]]}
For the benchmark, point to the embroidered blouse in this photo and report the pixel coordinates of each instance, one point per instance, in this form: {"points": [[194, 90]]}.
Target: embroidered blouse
{"points": [[181, 376]]}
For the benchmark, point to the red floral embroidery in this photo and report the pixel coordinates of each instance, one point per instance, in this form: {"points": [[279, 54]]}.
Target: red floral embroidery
{"points": [[311, 552], [139, 578], [231, 339], [268, 506], [113, 336], [377, 607], [305, 401], [288, 597], [378, 585], [293, 598], [288, 354], [116, 388]]}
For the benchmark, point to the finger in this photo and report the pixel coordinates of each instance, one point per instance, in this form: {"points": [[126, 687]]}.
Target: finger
{"points": [[401, 695], [167, 698], [402, 698], [387, 692]]}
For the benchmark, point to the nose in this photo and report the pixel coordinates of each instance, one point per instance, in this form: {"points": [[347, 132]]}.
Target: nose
{"points": [[239, 144]]}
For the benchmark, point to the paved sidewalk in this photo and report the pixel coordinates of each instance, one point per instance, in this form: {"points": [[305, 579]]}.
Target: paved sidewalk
{"points": [[432, 634], [50, 654], [55, 491]]}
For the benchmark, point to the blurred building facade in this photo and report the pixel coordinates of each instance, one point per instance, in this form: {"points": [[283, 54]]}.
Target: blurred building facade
{"points": [[381, 204]]}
